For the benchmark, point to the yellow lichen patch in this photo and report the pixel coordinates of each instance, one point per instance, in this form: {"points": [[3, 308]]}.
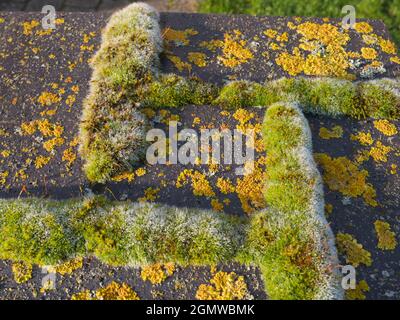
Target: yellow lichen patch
{"points": [[84, 295], [332, 61], [150, 194], [270, 33], [369, 53], [179, 37], [69, 156], [49, 145], [198, 58], [224, 286], [343, 175], [393, 169], [179, 63], [116, 291], [140, 172], [379, 152], [41, 161], [250, 188], [395, 59], [359, 292], [364, 138], [225, 185], [67, 267], [234, 50], [28, 128], [363, 27], [243, 115], [3, 177], [48, 98], [216, 205], [384, 126], [5, 153], [200, 184], [354, 251], [157, 273], [387, 46], [386, 237], [335, 132], [128, 176], [22, 271], [28, 26]]}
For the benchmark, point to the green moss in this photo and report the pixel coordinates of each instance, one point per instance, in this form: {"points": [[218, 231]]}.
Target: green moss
{"points": [[36, 231], [99, 166], [239, 94], [174, 91], [354, 252], [51, 232], [380, 101], [283, 240]]}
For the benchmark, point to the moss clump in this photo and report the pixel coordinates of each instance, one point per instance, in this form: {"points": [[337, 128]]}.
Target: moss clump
{"points": [[50, 233], [37, 231], [327, 96], [354, 252], [381, 98], [386, 237], [238, 94], [112, 131], [288, 240], [174, 91]]}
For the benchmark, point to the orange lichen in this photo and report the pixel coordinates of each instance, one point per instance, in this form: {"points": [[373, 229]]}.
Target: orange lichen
{"points": [[198, 58], [250, 188], [129, 176], [386, 237], [216, 205], [387, 46], [359, 292], [48, 98], [224, 286], [225, 185], [49, 145], [200, 184], [343, 175], [332, 62], [116, 291], [179, 37], [67, 267], [140, 172], [22, 271], [364, 138], [157, 273], [28, 26], [379, 152], [69, 156], [234, 51], [363, 27], [41, 161], [369, 53], [384, 126], [150, 194]]}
